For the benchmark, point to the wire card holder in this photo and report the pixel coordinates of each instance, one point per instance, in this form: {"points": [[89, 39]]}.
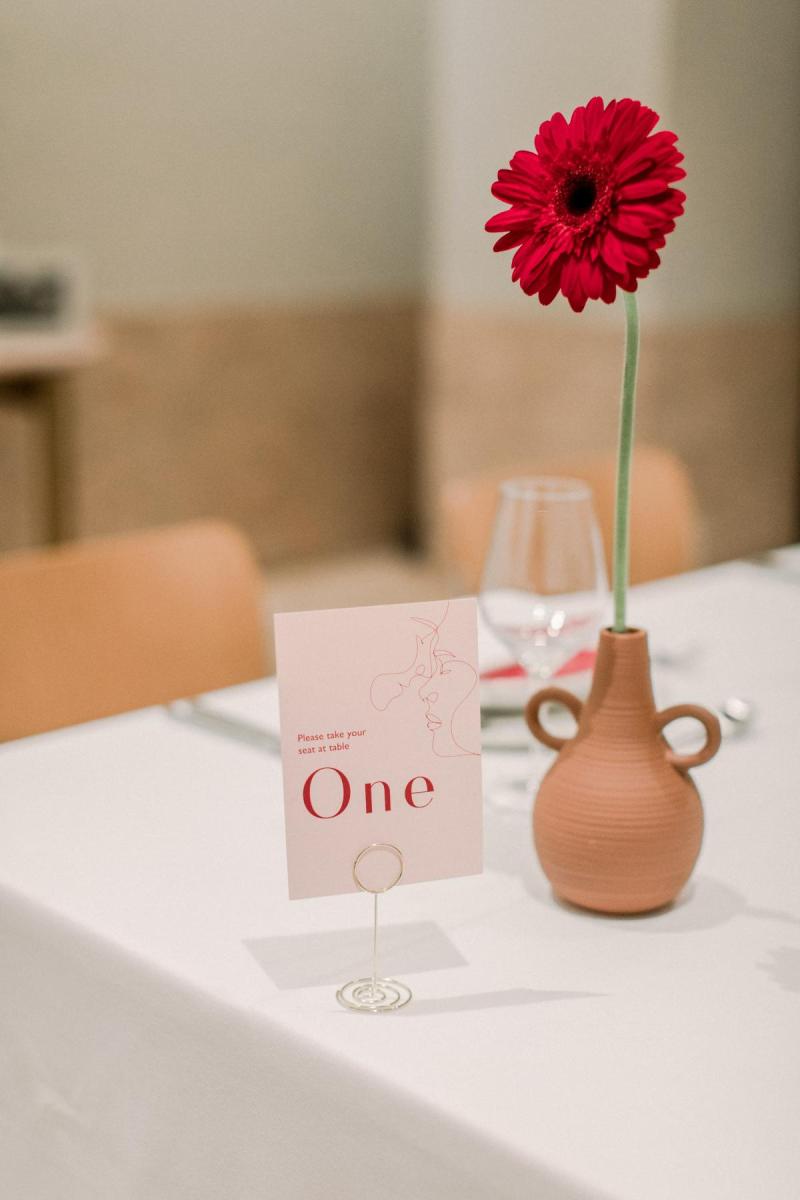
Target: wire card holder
{"points": [[373, 866]]}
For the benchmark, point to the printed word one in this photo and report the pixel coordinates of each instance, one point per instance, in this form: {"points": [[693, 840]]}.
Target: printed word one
{"points": [[328, 797]]}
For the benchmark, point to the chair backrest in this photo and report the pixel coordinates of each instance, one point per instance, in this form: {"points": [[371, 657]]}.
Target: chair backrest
{"points": [[103, 626], [663, 525]]}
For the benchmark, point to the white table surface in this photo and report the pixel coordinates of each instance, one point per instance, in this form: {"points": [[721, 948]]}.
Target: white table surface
{"points": [[168, 1026]]}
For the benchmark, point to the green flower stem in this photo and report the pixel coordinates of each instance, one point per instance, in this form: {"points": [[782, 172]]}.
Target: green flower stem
{"points": [[623, 502]]}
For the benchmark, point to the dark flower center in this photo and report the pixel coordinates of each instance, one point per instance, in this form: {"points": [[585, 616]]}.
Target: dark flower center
{"points": [[579, 195]]}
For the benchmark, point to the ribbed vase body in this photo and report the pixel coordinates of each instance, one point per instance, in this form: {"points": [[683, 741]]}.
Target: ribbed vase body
{"points": [[617, 826]]}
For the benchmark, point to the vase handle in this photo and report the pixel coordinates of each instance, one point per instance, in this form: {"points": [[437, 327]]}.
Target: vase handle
{"points": [[554, 695], [713, 734]]}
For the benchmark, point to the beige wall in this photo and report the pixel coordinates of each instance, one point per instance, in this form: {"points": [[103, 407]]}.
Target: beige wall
{"points": [[245, 182], [267, 194], [722, 73], [508, 393], [297, 425], [509, 381], [735, 96], [500, 68], [200, 153]]}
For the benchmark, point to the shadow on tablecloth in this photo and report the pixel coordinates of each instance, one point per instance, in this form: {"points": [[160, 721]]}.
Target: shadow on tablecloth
{"points": [[331, 955]]}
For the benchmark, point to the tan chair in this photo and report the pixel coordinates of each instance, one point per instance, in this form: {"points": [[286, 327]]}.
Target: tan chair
{"points": [[663, 527], [100, 627]]}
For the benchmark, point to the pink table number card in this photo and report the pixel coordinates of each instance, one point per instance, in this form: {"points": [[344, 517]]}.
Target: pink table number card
{"points": [[380, 732]]}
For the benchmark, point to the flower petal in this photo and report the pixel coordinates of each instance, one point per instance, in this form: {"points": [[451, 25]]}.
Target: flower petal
{"points": [[549, 291], [609, 290], [631, 223], [512, 218], [594, 117], [513, 191], [523, 159], [557, 131], [577, 125], [572, 285], [642, 189], [635, 253], [591, 278], [508, 241], [633, 161], [613, 253], [631, 124], [531, 258]]}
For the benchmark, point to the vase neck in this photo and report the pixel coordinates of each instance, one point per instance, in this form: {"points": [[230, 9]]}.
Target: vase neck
{"points": [[622, 674]]}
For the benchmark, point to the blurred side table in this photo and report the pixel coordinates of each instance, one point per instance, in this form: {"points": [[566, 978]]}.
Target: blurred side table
{"points": [[35, 373]]}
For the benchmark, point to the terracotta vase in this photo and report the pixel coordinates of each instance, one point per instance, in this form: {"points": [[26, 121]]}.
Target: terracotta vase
{"points": [[618, 821]]}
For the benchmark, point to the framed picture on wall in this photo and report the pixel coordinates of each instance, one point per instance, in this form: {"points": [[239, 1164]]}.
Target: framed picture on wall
{"points": [[42, 290]]}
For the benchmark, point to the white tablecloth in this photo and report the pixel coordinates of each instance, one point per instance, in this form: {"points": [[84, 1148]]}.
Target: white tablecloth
{"points": [[168, 1027]]}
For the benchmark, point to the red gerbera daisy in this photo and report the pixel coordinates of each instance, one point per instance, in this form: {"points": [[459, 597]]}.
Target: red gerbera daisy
{"points": [[592, 206]]}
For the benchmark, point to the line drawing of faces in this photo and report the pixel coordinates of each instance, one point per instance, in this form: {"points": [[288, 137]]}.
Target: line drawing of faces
{"points": [[442, 681], [443, 694], [390, 686]]}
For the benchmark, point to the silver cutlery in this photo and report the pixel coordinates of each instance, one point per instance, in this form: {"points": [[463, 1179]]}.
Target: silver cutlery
{"points": [[194, 711], [735, 715]]}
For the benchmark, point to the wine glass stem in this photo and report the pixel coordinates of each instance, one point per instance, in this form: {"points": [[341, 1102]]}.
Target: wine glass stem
{"points": [[536, 751]]}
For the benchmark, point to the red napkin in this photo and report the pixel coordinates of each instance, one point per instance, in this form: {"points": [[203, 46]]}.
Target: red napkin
{"points": [[582, 661]]}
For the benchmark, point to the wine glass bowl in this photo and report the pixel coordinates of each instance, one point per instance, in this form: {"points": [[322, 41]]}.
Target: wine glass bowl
{"points": [[544, 590]]}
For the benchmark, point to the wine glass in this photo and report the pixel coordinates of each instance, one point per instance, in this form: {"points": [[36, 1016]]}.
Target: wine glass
{"points": [[544, 590]]}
